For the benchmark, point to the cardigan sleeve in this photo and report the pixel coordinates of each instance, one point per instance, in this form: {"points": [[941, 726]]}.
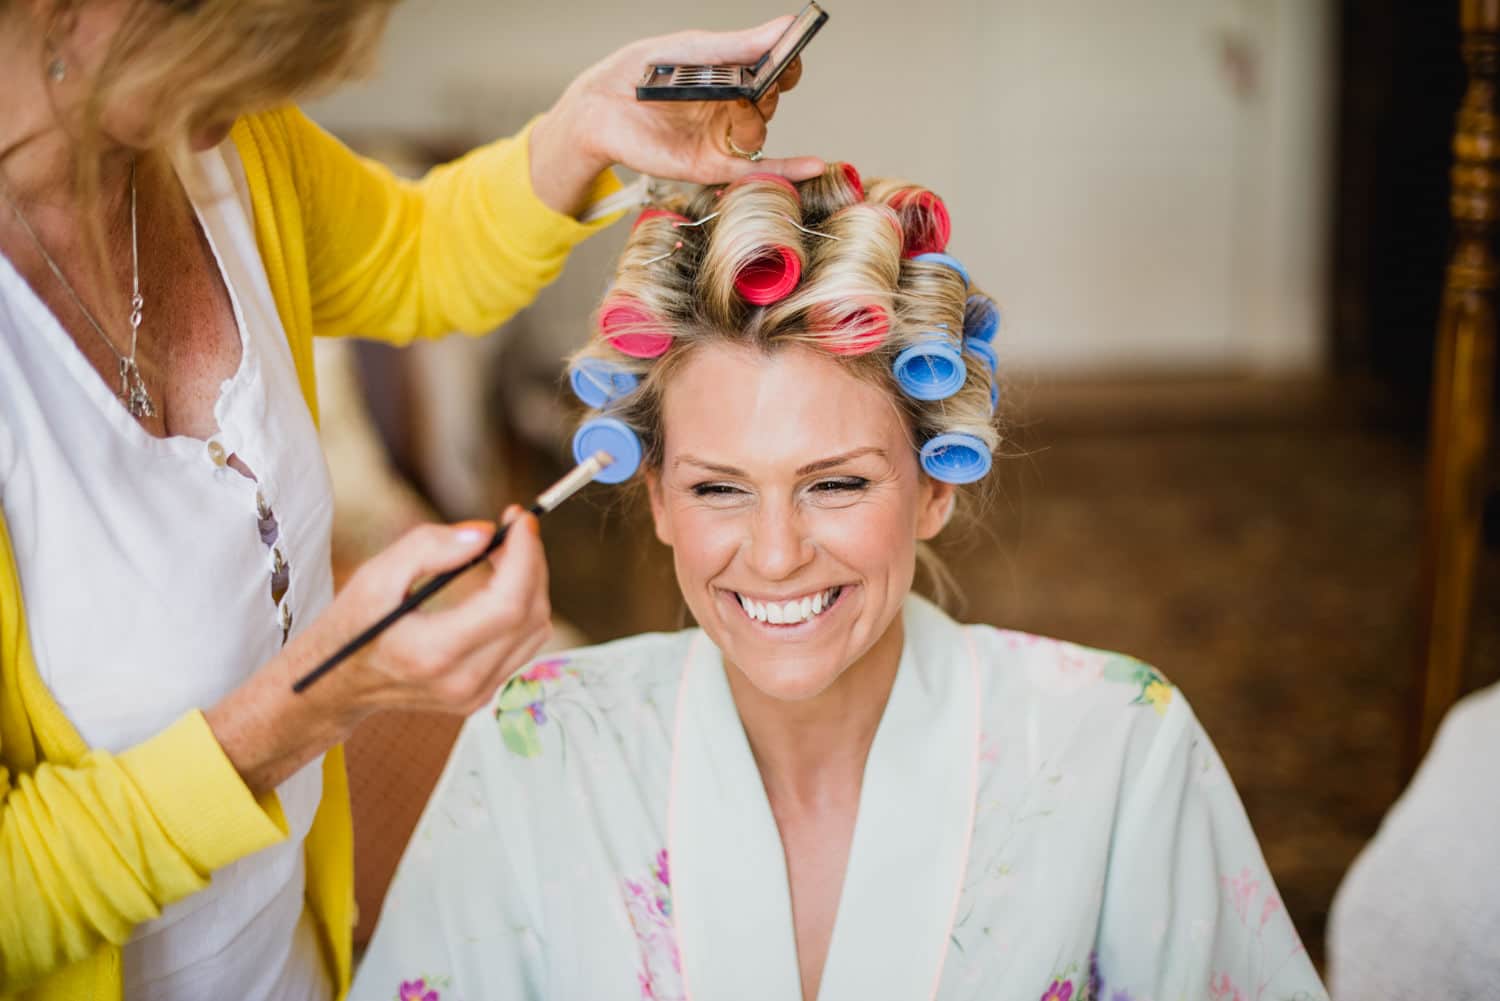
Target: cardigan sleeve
{"points": [[462, 249], [90, 850]]}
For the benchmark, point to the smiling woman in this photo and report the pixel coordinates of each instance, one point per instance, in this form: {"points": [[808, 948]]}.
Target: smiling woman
{"points": [[828, 789]]}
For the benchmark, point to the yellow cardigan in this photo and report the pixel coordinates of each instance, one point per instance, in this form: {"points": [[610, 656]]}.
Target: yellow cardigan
{"points": [[91, 843]]}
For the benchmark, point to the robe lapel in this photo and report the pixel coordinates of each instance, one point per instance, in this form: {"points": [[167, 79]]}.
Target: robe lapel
{"points": [[730, 900], [731, 905], [916, 813]]}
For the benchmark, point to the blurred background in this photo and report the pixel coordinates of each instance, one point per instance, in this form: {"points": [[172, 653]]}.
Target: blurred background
{"points": [[1217, 229]]}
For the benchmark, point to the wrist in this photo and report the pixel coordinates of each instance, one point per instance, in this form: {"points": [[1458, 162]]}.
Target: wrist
{"points": [[565, 161]]}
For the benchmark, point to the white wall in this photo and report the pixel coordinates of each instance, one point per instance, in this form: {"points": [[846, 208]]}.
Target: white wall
{"points": [[1134, 204]]}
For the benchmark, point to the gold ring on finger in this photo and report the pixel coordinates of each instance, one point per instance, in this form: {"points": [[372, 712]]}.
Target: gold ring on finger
{"points": [[753, 155]]}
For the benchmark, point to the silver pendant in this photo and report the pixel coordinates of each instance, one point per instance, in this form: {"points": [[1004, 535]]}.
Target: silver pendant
{"points": [[133, 390]]}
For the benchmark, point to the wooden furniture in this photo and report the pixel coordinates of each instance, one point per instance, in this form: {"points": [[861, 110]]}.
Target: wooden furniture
{"points": [[1463, 378]]}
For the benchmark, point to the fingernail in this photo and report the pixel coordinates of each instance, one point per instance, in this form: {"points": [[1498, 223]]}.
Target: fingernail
{"points": [[470, 534], [511, 514]]}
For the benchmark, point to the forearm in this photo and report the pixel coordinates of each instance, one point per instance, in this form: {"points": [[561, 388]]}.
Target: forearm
{"points": [[268, 731]]}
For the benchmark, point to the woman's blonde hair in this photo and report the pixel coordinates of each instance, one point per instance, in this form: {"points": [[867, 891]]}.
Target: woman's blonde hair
{"points": [[698, 260], [205, 62], [681, 283]]}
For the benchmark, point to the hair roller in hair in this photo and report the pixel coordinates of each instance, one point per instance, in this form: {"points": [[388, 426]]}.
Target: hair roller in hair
{"points": [[597, 381], [852, 176], [769, 276], [650, 214], [631, 330], [755, 249], [984, 351], [947, 261], [956, 458], [931, 369], [994, 396], [615, 437], [981, 318], [856, 332], [924, 220]]}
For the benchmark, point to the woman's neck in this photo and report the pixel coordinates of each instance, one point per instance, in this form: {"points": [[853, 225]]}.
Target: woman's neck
{"points": [[813, 752]]}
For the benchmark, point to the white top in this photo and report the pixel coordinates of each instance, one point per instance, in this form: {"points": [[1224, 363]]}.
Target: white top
{"points": [[1037, 821], [1418, 915], [147, 573]]}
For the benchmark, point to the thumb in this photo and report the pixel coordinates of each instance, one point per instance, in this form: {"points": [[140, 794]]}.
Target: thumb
{"points": [[718, 47]]}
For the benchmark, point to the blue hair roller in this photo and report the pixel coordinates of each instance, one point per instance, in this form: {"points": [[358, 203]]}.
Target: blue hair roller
{"points": [[597, 382], [612, 436], [994, 396], [984, 351], [947, 261], [956, 458], [981, 318], [931, 369]]}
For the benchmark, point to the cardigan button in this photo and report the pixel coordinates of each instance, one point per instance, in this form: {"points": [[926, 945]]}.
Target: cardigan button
{"points": [[216, 454]]}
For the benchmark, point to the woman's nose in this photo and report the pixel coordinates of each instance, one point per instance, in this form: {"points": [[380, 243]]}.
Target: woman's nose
{"points": [[778, 545]]}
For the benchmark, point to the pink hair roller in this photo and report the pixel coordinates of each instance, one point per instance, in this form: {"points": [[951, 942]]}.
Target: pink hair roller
{"points": [[860, 331], [852, 176], [925, 221], [630, 330], [658, 214], [769, 277]]}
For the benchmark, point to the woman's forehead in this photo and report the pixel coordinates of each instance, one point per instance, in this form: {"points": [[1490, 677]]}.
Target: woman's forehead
{"points": [[745, 406]]}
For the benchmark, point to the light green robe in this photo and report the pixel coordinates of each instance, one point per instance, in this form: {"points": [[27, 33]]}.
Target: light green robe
{"points": [[1038, 821]]}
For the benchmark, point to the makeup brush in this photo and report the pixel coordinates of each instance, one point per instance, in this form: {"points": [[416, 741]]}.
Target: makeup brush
{"points": [[576, 479]]}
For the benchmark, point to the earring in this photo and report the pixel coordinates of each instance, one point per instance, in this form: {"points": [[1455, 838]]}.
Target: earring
{"points": [[57, 70]]}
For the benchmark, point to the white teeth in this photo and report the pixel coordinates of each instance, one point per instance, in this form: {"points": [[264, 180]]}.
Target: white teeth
{"points": [[790, 612]]}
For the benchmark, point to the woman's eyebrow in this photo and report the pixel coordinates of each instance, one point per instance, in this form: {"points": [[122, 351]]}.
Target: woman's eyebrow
{"points": [[811, 467]]}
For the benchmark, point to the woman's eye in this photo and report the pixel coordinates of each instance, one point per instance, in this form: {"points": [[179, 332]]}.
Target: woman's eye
{"points": [[844, 484], [714, 490]]}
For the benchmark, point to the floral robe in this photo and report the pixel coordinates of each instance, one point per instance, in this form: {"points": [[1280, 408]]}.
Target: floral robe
{"points": [[1038, 822]]}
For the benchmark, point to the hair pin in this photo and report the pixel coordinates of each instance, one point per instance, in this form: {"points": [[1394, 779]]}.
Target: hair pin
{"points": [[809, 232], [700, 222], [662, 257]]}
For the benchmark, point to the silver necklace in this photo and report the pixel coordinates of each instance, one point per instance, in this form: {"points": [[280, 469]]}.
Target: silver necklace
{"points": [[132, 387]]}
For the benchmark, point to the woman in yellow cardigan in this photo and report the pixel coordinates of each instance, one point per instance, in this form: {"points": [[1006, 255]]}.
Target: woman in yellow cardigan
{"points": [[173, 822]]}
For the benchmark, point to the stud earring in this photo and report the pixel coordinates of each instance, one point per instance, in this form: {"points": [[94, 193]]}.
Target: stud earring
{"points": [[57, 70]]}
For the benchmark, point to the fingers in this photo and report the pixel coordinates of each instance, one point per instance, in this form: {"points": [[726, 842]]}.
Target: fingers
{"points": [[790, 76], [766, 107], [422, 552], [712, 47], [513, 603], [795, 168]]}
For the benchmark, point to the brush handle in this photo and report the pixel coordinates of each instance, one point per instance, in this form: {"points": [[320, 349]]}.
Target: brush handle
{"points": [[412, 601]]}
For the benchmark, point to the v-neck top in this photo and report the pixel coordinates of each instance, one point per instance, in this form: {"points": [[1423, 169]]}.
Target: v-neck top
{"points": [[157, 578], [1037, 820]]}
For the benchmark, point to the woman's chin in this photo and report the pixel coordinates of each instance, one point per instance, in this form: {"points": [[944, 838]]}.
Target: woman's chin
{"points": [[789, 679]]}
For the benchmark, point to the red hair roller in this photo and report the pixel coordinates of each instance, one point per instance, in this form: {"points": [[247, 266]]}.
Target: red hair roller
{"points": [[925, 221], [658, 214], [859, 332], [769, 277], [852, 176], [631, 330]]}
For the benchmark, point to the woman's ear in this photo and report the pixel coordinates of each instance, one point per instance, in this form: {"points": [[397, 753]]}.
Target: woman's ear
{"points": [[937, 508], [659, 516]]}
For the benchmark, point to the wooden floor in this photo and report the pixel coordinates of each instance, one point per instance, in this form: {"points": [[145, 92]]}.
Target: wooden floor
{"points": [[1255, 541]]}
